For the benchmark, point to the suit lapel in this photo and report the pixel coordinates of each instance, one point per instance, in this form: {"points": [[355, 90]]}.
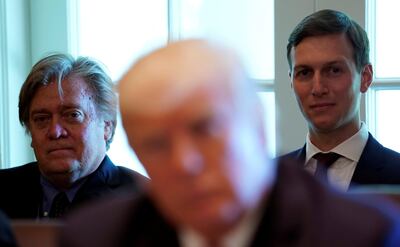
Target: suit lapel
{"points": [[35, 197], [30, 195], [100, 182], [301, 155], [298, 155], [370, 166]]}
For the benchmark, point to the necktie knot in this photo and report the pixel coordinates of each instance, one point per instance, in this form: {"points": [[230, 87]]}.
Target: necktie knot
{"points": [[59, 206], [324, 161]]}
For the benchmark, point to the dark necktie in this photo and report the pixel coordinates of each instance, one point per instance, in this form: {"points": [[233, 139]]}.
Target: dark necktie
{"points": [[324, 160], [59, 206]]}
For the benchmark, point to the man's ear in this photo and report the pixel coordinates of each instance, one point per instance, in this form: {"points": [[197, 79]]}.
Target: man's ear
{"points": [[28, 131], [108, 126], [290, 78], [367, 75]]}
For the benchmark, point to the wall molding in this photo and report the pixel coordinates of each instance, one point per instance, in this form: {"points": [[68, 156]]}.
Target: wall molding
{"points": [[4, 97]]}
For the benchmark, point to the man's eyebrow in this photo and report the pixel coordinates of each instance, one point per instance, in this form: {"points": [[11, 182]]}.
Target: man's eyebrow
{"points": [[335, 62], [62, 108], [69, 106], [301, 66], [40, 110]]}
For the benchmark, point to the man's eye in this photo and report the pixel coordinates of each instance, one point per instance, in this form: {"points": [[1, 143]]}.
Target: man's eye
{"points": [[40, 119], [303, 73], [75, 116], [335, 70], [206, 127]]}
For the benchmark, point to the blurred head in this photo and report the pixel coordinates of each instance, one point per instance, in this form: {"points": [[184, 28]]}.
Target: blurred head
{"points": [[193, 118], [69, 108], [329, 70]]}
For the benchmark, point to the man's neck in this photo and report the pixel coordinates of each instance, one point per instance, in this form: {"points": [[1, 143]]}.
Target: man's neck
{"points": [[327, 140], [238, 233]]}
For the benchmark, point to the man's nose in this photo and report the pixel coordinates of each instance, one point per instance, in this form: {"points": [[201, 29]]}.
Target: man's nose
{"points": [[187, 158], [319, 87], [56, 130]]}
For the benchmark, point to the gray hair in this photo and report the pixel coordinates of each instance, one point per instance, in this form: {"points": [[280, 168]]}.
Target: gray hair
{"points": [[58, 67]]}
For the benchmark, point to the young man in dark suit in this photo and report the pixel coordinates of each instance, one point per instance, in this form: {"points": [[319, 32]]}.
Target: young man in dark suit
{"points": [[195, 122], [68, 107], [329, 69]]}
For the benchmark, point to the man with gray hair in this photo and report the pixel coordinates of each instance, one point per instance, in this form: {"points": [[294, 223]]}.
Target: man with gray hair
{"points": [[68, 107], [195, 122]]}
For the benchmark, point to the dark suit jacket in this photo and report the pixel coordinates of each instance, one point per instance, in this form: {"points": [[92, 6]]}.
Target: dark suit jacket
{"points": [[300, 212], [21, 192], [7, 238], [377, 164]]}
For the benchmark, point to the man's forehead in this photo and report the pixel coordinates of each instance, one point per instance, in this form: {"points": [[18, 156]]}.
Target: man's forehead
{"points": [[201, 102], [71, 86], [303, 57], [168, 77], [71, 94], [185, 118], [60, 107], [336, 61]]}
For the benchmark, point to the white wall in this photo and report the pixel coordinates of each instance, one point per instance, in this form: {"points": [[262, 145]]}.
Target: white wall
{"points": [[50, 27], [15, 63]]}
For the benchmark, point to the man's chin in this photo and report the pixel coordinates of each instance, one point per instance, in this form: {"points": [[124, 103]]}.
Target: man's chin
{"points": [[60, 168], [215, 219], [63, 165], [323, 127]]}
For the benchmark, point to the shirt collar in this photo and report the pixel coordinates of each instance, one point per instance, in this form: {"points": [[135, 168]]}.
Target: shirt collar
{"points": [[351, 148], [50, 191]]}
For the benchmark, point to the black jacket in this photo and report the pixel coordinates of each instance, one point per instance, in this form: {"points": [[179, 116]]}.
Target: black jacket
{"points": [[21, 192], [377, 164]]}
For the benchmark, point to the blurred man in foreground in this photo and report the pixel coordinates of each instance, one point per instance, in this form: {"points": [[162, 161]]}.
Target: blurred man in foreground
{"points": [[194, 120], [68, 106]]}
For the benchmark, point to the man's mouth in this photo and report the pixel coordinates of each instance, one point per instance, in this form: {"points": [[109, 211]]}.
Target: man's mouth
{"points": [[321, 106]]}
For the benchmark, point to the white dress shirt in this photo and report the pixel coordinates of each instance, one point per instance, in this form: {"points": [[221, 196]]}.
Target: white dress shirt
{"points": [[341, 171]]}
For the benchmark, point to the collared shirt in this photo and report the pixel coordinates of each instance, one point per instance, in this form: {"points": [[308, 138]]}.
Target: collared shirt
{"points": [[240, 236], [340, 172], [49, 192]]}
